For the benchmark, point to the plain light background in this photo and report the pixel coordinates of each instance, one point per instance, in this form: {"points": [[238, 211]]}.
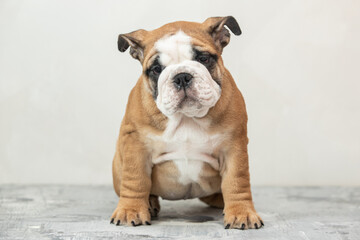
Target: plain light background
{"points": [[64, 85]]}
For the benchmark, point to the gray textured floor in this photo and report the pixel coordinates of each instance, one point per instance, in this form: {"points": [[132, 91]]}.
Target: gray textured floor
{"points": [[83, 212]]}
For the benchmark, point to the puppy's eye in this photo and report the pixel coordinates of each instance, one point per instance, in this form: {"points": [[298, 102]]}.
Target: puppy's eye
{"points": [[156, 69], [203, 59]]}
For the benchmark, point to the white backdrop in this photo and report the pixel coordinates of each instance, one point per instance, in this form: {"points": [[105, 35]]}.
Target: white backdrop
{"points": [[64, 85]]}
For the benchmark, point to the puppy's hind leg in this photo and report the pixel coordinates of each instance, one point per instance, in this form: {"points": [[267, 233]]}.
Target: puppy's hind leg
{"points": [[216, 200], [154, 205]]}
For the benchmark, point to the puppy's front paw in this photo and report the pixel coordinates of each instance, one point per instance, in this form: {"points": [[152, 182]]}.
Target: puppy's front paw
{"points": [[131, 212], [241, 216]]}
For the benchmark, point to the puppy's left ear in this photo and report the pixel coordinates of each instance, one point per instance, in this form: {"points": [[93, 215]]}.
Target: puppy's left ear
{"points": [[215, 26], [135, 41]]}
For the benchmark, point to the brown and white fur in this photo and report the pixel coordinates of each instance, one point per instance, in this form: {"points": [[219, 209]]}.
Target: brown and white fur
{"points": [[184, 133]]}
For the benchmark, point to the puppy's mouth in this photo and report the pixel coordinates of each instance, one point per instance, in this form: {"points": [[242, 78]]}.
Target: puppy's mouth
{"points": [[187, 102], [188, 99], [188, 89]]}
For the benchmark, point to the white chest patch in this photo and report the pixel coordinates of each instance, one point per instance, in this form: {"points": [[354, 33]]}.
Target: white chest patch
{"points": [[187, 143]]}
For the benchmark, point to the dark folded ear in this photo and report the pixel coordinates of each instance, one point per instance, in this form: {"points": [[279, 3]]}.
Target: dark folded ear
{"points": [[215, 26], [135, 41]]}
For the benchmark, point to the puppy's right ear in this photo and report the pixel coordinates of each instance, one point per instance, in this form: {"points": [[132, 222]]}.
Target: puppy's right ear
{"points": [[135, 41]]}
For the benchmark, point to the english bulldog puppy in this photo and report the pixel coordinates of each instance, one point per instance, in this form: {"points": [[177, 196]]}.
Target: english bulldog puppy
{"points": [[184, 133]]}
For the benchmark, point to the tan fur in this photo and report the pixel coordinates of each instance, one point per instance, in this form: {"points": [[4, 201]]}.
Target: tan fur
{"points": [[216, 200], [135, 178]]}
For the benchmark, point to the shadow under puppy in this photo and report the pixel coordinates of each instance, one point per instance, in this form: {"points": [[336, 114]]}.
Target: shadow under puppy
{"points": [[184, 133]]}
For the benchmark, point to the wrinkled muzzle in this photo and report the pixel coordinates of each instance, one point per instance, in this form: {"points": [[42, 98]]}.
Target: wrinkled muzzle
{"points": [[187, 88]]}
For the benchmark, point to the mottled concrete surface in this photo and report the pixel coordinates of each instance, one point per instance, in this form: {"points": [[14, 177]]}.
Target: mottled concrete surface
{"points": [[83, 212]]}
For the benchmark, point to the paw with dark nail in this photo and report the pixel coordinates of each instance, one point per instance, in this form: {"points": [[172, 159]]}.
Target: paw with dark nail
{"points": [[131, 212], [243, 226], [154, 206], [240, 218]]}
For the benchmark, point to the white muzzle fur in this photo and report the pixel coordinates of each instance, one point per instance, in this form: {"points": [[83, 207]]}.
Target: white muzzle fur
{"points": [[194, 101]]}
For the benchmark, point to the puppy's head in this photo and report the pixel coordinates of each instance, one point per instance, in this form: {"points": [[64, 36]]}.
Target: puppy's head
{"points": [[182, 65]]}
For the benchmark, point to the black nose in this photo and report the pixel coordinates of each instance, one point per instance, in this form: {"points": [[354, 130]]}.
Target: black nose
{"points": [[182, 80]]}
